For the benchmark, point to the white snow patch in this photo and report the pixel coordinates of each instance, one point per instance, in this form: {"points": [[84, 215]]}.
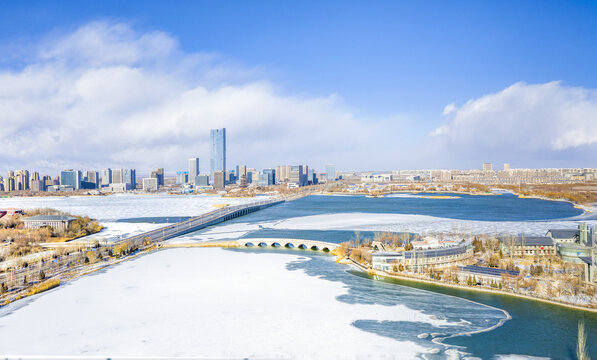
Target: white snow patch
{"points": [[208, 303]]}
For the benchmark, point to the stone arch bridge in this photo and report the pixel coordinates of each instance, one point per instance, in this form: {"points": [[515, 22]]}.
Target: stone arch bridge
{"points": [[289, 243]]}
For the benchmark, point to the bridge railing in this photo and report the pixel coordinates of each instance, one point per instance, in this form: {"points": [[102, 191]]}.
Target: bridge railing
{"points": [[203, 219]]}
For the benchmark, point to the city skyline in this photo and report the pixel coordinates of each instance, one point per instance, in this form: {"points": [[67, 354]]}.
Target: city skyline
{"points": [[423, 100]]}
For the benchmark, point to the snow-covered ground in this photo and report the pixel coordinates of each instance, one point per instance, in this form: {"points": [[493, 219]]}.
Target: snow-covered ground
{"points": [[208, 303], [123, 206]]}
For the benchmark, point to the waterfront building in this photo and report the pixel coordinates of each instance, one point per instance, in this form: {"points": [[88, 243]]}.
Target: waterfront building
{"points": [[71, 178], [1, 184], [484, 275], [418, 260], [218, 180], [202, 180], [331, 172], [193, 169], [57, 222], [106, 177], [563, 235], [150, 184], [528, 245], [217, 161], [182, 177], [60, 188], [159, 175]]}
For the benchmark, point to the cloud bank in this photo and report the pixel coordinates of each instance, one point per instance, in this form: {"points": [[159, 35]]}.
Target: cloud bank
{"points": [[107, 95], [549, 123]]}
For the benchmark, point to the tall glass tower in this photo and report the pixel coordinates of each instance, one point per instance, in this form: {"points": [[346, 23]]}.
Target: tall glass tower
{"points": [[217, 161]]}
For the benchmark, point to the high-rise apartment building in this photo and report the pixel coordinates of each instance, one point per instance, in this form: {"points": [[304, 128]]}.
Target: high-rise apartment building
{"points": [[282, 174], [158, 174], [21, 180], [129, 178], [487, 167], [193, 169], [296, 175], [218, 180], [182, 177], [106, 177], [117, 176], [271, 176], [506, 167], [241, 170], [330, 170], [217, 161]]}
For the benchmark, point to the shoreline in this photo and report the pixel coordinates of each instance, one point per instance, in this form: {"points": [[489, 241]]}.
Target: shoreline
{"points": [[382, 274]]}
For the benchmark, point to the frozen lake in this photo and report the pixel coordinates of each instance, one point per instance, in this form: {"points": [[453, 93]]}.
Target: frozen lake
{"points": [[215, 303]]}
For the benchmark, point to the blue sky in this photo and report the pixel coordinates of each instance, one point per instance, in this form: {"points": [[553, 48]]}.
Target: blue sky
{"points": [[392, 66]]}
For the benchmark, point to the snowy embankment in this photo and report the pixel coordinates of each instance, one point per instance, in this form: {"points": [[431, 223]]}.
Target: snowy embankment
{"points": [[208, 303]]}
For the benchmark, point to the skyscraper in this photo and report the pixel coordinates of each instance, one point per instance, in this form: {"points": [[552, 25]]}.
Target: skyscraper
{"points": [[193, 168], [217, 161], [331, 172], [158, 174], [106, 177], [117, 176], [71, 177]]}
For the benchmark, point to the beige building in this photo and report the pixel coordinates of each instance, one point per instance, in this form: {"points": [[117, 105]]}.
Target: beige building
{"points": [[57, 222]]}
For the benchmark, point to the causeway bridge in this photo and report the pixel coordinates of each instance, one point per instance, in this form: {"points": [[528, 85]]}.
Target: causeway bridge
{"points": [[199, 222], [288, 243]]}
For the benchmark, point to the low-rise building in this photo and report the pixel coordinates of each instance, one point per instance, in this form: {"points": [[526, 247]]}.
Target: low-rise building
{"points": [[528, 246], [563, 235], [421, 259], [57, 222], [484, 275], [150, 184]]}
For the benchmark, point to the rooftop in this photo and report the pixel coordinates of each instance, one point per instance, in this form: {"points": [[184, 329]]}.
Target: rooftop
{"points": [[488, 271], [529, 240], [563, 233], [49, 218]]}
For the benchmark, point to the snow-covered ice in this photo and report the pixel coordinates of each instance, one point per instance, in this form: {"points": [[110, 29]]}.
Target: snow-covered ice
{"points": [[389, 222], [205, 303], [123, 206]]}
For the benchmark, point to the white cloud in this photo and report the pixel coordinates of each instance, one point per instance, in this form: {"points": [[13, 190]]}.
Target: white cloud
{"points": [[524, 119], [107, 95]]}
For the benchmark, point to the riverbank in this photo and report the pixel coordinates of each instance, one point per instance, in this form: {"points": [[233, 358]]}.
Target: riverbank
{"points": [[492, 291]]}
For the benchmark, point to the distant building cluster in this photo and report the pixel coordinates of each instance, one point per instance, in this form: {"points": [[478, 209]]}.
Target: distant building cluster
{"points": [[69, 180], [488, 176], [219, 176]]}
